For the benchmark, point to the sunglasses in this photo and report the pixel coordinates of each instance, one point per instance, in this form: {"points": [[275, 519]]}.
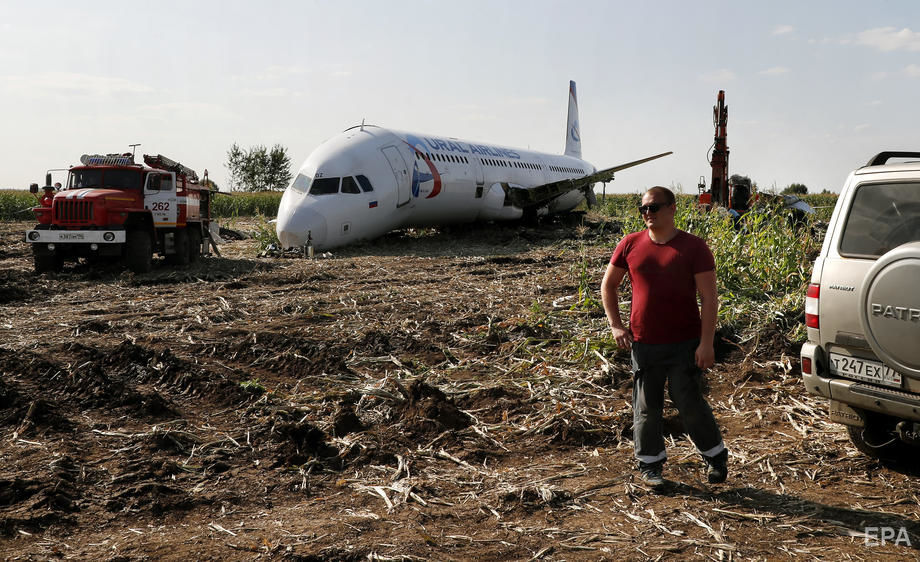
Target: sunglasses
{"points": [[651, 208]]}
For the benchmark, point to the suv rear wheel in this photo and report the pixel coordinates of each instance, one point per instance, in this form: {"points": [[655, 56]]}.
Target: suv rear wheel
{"points": [[879, 439], [873, 445], [889, 319]]}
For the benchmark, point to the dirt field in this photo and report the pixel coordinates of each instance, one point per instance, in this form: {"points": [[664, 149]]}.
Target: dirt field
{"points": [[430, 396]]}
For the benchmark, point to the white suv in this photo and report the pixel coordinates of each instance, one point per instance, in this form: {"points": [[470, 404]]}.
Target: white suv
{"points": [[863, 307]]}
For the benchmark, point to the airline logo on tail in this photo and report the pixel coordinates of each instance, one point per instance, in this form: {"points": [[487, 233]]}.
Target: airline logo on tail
{"points": [[420, 177]]}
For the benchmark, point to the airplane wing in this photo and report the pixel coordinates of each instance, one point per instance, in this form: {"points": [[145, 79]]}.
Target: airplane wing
{"points": [[536, 196]]}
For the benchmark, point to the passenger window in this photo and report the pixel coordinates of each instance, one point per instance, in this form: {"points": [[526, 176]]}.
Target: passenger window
{"points": [[365, 183], [349, 185], [324, 186], [882, 217]]}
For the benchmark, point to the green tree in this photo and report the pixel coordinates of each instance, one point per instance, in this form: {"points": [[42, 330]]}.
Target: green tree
{"points": [[795, 189], [234, 165], [259, 169], [279, 168]]}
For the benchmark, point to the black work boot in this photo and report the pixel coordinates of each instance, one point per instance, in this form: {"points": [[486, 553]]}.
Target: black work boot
{"points": [[718, 467], [650, 474]]}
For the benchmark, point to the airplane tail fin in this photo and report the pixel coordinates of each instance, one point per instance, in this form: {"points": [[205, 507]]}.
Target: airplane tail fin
{"points": [[572, 130]]}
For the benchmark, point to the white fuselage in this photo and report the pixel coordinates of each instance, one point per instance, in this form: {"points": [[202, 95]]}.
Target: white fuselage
{"points": [[369, 180]]}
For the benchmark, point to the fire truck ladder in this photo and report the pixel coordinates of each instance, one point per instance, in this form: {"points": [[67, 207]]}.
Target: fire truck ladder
{"points": [[163, 163]]}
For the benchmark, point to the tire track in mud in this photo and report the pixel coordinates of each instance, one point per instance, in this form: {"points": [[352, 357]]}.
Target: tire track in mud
{"points": [[48, 393], [54, 395], [126, 376]]}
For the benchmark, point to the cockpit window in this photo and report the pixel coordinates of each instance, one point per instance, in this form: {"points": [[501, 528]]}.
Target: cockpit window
{"points": [[324, 186], [301, 183], [365, 183], [349, 185]]}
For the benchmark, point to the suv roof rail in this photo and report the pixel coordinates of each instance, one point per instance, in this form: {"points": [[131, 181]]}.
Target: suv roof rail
{"points": [[883, 157]]}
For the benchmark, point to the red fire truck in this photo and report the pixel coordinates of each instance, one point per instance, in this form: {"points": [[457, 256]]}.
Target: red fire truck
{"points": [[114, 208]]}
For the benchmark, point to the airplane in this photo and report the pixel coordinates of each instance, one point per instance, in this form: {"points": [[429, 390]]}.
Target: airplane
{"points": [[369, 180]]}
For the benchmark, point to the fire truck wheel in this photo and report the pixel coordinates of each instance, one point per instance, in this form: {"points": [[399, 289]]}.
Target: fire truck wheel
{"points": [[180, 245], [139, 251], [47, 261], [194, 243]]}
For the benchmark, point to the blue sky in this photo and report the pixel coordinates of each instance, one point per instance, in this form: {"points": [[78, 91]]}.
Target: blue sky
{"points": [[814, 88]]}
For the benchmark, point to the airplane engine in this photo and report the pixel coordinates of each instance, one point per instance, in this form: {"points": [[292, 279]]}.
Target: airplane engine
{"points": [[495, 205]]}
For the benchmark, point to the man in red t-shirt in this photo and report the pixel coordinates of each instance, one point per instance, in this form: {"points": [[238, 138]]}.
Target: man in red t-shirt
{"points": [[670, 335]]}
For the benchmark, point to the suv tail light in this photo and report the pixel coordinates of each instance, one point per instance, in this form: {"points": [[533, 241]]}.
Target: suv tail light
{"points": [[811, 305], [806, 365]]}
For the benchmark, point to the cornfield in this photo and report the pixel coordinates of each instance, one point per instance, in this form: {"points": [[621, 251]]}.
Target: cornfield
{"points": [[246, 204], [16, 205]]}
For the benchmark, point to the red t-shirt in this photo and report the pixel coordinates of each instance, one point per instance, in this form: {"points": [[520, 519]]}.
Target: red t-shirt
{"points": [[664, 306]]}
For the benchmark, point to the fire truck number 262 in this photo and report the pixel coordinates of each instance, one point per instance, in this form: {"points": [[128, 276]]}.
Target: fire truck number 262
{"points": [[160, 206]]}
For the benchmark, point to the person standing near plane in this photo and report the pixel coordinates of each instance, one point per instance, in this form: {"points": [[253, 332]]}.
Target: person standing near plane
{"points": [[669, 335]]}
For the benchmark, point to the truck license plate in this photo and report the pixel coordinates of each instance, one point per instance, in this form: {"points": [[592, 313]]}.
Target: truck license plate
{"points": [[864, 370]]}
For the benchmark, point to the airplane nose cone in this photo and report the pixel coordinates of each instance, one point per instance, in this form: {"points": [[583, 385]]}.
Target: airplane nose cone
{"points": [[293, 227]]}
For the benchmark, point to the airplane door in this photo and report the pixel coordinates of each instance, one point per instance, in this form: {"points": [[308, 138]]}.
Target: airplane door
{"points": [[401, 172]]}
